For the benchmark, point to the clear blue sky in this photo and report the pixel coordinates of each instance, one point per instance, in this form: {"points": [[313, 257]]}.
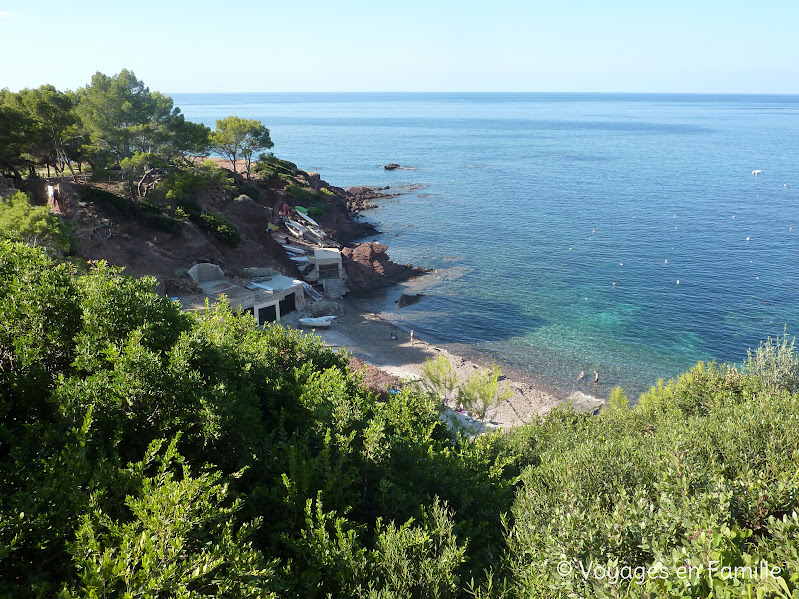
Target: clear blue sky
{"points": [[724, 46]]}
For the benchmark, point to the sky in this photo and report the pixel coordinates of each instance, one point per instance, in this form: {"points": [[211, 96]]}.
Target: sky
{"points": [[648, 46]]}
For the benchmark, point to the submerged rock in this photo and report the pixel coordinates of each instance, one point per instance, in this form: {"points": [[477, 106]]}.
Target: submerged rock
{"points": [[407, 299], [585, 403]]}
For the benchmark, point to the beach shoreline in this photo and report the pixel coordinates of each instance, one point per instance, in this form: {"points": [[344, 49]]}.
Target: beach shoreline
{"points": [[387, 346]]}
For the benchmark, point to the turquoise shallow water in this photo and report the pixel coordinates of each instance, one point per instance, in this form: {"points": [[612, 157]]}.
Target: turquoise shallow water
{"points": [[536, 204]]}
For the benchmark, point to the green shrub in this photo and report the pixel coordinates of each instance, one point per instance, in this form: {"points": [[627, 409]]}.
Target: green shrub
{"points": [[252, 191], [269, 166], [34, 225], [701, 471], [775, 363], [183, 185], [483, 391], [438, 378], [317, 210], [150, 207], [300, 193], [162, 222], [223, 230], [122, 206]]}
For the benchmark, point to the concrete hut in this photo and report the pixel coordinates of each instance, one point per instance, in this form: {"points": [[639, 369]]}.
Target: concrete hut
{"points": [[327, 269], [263, 293]]}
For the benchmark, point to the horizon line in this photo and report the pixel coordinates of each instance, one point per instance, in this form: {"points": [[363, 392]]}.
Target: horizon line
{"points": [[596, 93]]}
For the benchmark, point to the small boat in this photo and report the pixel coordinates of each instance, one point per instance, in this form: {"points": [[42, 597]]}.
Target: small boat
{"points": [[299, 259], [316, 232], [294, 249], [308, 219], [295, 228], [319, 322]]}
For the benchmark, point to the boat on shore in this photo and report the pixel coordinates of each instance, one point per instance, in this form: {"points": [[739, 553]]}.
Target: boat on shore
{"points": [[316, 232], [295, 228], [312, 226], [307, 219], [318, 322]]}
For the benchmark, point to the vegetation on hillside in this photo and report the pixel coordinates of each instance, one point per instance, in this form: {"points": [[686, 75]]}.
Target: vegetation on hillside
{"points": [[149, 452], [124, 131]]}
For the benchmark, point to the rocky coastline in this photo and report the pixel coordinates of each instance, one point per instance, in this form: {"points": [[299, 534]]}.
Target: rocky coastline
{"points": [[144, 251]]}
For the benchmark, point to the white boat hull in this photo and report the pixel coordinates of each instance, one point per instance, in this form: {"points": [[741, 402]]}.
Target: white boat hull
{"points": [[321, 322], [296, 228]]}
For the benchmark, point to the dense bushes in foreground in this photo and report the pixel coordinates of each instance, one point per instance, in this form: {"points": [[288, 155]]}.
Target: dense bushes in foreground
{"points": [[147, 452]]}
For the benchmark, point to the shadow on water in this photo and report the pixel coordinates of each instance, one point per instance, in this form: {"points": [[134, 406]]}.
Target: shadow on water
{"points": [[467, 320]]}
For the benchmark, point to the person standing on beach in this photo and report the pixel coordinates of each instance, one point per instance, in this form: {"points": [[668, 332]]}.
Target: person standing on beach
{"points": [[411, 336]]}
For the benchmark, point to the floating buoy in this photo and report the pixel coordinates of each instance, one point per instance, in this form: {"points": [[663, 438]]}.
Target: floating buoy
{"points": [[665, 262], [621, 264], [570, 249], [614, 284], [733, 216], [756, 172], [593, 232], [678, 281], [675, 227], [747, 239]]}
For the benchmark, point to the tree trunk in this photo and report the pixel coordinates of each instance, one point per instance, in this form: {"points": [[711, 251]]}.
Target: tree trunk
{"points": [[141, 182], [10, 166], [61, 153]]}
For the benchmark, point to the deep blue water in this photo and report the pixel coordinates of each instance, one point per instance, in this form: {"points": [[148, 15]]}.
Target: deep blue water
{"points": [[534, 205]]}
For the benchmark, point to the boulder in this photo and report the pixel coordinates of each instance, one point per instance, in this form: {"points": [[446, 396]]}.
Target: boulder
{"points": [[326, 308], [585, 403], [361, 197], [408, 299], [369, 267]]}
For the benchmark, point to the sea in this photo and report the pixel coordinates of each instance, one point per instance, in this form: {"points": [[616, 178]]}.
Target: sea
{"points": [[632, 234]]}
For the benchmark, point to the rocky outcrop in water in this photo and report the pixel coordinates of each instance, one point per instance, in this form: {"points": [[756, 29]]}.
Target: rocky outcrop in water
{"points": [[369, 267], [362, 198]]}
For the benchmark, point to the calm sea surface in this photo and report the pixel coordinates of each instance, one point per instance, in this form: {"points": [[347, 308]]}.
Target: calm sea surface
{"points": [[620, 232]]}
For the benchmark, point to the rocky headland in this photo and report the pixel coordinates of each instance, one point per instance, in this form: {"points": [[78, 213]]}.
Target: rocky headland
{"points": [[109, 227], [368, 267]]}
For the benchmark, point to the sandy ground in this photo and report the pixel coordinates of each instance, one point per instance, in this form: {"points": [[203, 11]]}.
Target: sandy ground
{"points": [[389, 347]]}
